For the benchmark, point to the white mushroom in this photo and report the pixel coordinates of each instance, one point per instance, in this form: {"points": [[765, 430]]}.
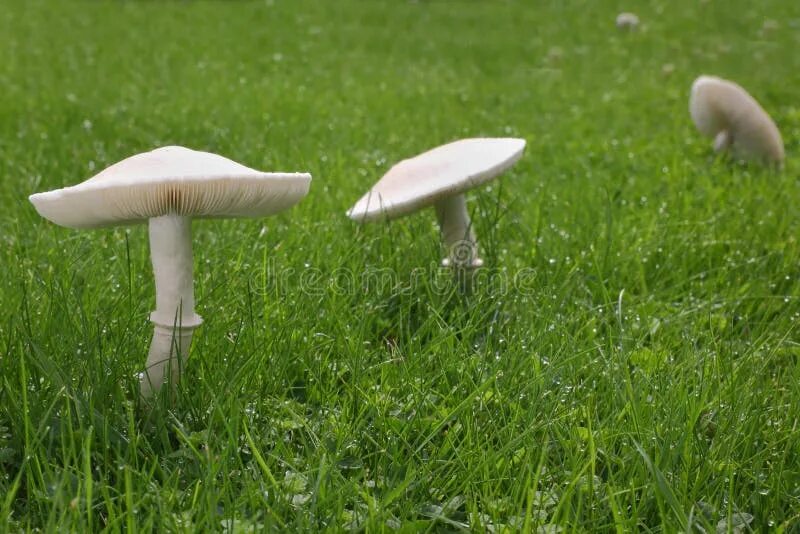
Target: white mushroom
{"points": [[627, 21], [723, 110], [439, 178], [167, 187]]}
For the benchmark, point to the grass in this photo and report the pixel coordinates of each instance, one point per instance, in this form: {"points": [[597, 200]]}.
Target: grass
{"points": [[628, 361]]}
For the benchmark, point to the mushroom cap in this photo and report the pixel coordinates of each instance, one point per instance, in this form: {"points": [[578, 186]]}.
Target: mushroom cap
{"points": [[719, 105], [171, 180], [441, 172], [627, 21]]}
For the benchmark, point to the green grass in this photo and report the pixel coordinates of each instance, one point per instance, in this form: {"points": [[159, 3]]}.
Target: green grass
{"points": [[641, 374]]}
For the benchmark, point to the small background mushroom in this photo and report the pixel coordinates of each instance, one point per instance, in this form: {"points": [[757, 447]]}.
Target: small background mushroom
{"points": [[627, 21], [724, 111]]}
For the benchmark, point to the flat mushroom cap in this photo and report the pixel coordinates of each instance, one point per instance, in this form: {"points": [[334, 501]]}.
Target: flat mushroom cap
{"points": [[171, 180], [444, 171], [719, 105]]}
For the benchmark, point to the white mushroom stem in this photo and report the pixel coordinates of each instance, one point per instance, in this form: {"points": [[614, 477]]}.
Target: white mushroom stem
{"points": [[174, 319], [722, 141], [457, 233]]}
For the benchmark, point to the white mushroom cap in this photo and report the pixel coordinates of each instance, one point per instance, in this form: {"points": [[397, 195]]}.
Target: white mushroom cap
{"points": [[627, 21], [725, 111], [439, 173], [171, 180]]}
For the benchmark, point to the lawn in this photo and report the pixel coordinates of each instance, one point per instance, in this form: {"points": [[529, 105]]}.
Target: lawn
{"points": [[629, 359]]}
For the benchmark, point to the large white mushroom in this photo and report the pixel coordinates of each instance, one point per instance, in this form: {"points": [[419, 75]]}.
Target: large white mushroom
{"points": [[439, 178], [167, 187], [724, 111]]}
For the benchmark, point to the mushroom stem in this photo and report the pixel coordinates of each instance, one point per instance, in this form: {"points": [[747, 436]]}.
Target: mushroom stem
{"points": [[174, 319], [722, 141], [457, 233]]}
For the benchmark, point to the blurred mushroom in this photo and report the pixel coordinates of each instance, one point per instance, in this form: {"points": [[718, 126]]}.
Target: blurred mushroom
{"points": [[439, 178], [723, 110], [167, 187], [627, 21]]}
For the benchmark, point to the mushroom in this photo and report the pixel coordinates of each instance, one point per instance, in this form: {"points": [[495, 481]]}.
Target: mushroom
{"points": [[627, 21], [167, 187], [723, 110], [439, 177]]}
